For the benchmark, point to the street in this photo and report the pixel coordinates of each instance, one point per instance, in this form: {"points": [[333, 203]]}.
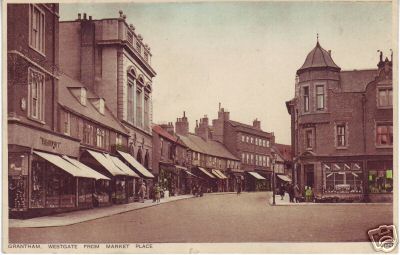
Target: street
{"points": [[220, 218]]}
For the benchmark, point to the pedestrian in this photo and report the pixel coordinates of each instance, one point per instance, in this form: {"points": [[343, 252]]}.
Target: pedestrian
{"points": [[142, 192], [282, 191], [194, 190], [157, 192], [296, 191], [153, 192], [308, 194], [291, 193], [239, 186]]}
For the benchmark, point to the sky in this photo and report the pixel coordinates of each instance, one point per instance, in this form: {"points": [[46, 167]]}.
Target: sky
{"points": [[244, 55]]}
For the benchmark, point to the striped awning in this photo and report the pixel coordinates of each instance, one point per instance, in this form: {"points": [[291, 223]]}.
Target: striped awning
{"points": [[206, 172], [256, 175], [133, 162], [219, 174], [83, 167]]}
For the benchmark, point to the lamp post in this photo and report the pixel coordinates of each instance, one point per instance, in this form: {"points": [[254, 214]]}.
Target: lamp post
{"points": [[273, 180]]}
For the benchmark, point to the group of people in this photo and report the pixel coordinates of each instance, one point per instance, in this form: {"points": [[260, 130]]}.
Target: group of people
{"points": [[295, 194], [197, 190]]}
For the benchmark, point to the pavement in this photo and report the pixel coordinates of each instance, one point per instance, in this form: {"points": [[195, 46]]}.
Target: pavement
{"points": [[69, 218], [286, 202], [225, 218]]}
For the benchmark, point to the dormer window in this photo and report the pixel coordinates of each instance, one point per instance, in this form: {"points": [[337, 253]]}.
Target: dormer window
{"points": [[99, 103], [83, 96], [101, 106]]}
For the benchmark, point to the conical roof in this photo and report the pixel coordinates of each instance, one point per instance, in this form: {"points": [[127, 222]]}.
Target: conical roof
{"points": [[318, 58]]}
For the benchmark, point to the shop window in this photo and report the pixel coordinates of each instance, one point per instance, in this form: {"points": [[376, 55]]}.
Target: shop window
{"points": [[36, 28], [341, 135], [36, 95], [342, 178], [120, 189], [37, 199], [52, 187], [384, 134], [306, 99], [67, 190], [320, 95], [385, 96], [17, 182], [380, 181], [85, 191]]}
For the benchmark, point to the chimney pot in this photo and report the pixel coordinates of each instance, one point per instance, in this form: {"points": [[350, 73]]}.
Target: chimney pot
{"points": [[120, 13], [124, 16], [90, 17], [84, 16], [79, 16]]}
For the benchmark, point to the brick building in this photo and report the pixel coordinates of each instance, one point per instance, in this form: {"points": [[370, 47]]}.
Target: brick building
{"points": [[170, 160], [342, 128], [283, 163], [110, 57], [208, 160], [250, 144]]}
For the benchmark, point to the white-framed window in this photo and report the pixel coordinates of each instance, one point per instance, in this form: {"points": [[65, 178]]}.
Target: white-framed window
{"points": [[251, 140], [252, 158], [243, 139], [320, 96], [100, 138], [118, 139], [36, 94], [247, 139], [268, 161], [309, 141], [267, 143], [36, 28], [306, 99], [247, 158], [341, 139], [66, 123], [384, 134], [385, 96]]}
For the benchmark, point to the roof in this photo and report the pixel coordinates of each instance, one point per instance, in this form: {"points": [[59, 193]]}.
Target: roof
{"points": [[317, 58], [284, 150], [357, 80], [248, 128], [162, 132], [67, 100], [209, 147]]}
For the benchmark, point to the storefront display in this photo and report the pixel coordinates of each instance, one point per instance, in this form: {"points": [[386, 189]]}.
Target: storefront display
{"points": [[343, 177], [38, 184], [17, 182], [380, 177]]}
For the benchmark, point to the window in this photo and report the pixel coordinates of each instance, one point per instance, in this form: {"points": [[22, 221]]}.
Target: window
{"points": [[256, 141], [36, 92], [130, 100], [100, 138], [306, 99], [88, 137], [252, 159], [247, 158], [67, 123], [384, 134], [83, 96], [243, 138], [146, 113], [267, 144], [36, 29], [256, 160], [341, 135], [139, 108], [342, 178], [309, 139], [268, 160], [385, 96], [320, 97], [251, 140], [118, 140], [247, 139], [243, 157]]}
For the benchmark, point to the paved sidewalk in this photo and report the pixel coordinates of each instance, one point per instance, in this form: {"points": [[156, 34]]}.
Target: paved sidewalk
{"points": [[69, 218], [285, 202]]}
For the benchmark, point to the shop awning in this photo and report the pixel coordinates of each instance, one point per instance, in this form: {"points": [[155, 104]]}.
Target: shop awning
{"points": [[256, 175], [83, 167], [206, 172], [123, 167], [181, 167], [63, 164], [106, 163], [189, 173], [284, 178], [133, 162], [219, 174]]}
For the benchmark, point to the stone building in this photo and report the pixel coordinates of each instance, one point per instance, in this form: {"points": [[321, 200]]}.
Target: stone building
{"points": [[110, 57], [209, 161], [250, 144], [342, 128]]}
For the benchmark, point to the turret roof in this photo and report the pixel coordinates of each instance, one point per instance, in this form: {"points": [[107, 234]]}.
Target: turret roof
{"points": [[318, 58]]}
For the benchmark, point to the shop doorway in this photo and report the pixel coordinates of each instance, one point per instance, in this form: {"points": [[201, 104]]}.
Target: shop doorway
{"points": [[309, 175]]}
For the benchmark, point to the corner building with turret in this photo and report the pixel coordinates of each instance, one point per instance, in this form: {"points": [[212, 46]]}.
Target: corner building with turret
{"points": [[342, 129]]}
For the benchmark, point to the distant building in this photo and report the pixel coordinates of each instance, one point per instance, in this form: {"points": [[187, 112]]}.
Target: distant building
{"points": [[250, 144], [211, 161], [283, 163], [110, 57], [342, 128], [170, 160]]}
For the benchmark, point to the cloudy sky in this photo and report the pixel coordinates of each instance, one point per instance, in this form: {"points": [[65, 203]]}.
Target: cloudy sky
{"points": [[244, 55]]}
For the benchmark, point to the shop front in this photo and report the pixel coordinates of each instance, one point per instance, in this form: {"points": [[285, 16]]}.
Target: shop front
{"points": [[168, 179], [210, 181], [255, 182], [144, 175], [380, 180], [235, 180], [222, 180]]}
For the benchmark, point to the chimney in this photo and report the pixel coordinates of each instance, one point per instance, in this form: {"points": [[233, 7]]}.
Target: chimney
{"points": [[203, 130], [90, 17], [257, 124], [84, 16], [79, 16], [182, 125], [168, 127], [87, 52]]}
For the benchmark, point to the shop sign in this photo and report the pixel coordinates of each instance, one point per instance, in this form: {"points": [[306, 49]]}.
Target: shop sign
{"points": [[51, 143]]}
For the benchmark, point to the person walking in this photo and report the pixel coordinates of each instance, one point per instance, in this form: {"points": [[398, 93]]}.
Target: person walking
{"points": [[282, 191], [142, 192], [157, 193], [296, 192], [239, 186], [291, 193]]}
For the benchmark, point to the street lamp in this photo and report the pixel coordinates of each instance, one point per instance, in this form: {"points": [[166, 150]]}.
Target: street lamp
{"points": [[273, 180]]}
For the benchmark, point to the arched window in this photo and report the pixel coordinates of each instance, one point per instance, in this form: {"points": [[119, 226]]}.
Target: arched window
{"points": [[139, 156]]}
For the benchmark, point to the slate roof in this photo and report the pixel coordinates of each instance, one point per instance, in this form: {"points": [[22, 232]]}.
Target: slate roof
{"points": [[67, 100], [356, 80], [210, 147], [247, 127], [318, 57], [162, 132]]}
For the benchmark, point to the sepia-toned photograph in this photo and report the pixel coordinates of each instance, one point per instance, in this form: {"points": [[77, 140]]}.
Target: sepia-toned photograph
{"points": [[200, 127]]}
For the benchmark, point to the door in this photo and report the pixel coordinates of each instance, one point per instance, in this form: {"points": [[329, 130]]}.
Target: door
{"points": [[309, 175]]}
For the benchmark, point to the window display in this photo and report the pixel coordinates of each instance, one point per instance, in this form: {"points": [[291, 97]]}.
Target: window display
{"points": [[380, 181], [342, 177], [53, 187], [37, 184]]}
